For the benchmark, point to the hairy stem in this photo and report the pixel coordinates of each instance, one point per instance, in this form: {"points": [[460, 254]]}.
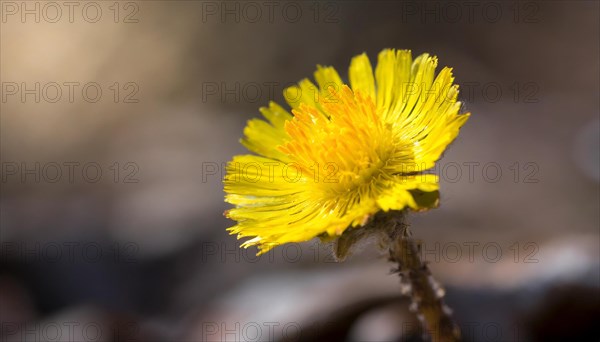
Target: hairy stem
{"points": [[418, 283]]}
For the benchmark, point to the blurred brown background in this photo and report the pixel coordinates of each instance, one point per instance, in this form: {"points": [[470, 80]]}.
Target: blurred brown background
{"points": [[117, 116]]}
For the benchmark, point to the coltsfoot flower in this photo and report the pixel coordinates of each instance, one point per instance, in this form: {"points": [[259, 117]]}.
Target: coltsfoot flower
{"points": [[346, 153]]}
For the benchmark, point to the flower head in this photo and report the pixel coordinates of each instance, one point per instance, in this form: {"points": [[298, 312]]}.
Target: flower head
{"points": [[346, 153]]}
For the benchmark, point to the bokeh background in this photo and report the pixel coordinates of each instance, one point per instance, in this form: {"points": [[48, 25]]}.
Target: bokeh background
{"points": [[116, 118]]}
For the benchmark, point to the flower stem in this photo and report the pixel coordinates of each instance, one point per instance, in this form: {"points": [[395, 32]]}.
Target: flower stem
{"points": [[418, 283]]}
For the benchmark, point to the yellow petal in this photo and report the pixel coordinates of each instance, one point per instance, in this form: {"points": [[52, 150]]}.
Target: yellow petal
{"points": [[398, 195], [385, 74], [263, 137], [361, 75], [304, 92], [327, 77]]}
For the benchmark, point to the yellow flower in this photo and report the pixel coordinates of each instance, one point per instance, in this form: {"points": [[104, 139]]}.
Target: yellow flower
{"points": [[347, 152]]}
